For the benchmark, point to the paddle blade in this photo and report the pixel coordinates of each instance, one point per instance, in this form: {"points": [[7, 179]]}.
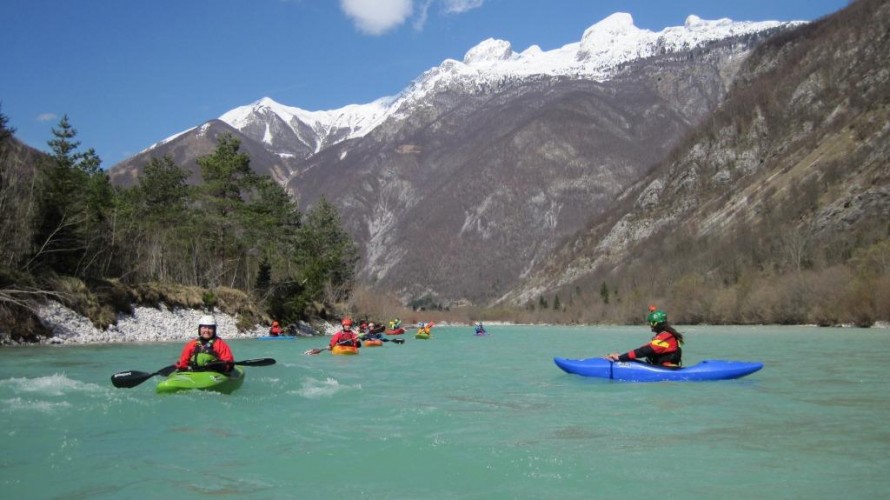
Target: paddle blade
{"points": [[311, 352], [399, 341], [167, 370], [256, 362], [129, 379]]}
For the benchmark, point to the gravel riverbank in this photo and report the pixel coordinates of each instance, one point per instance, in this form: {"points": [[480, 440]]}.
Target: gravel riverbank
{"points": [[147, 324]]}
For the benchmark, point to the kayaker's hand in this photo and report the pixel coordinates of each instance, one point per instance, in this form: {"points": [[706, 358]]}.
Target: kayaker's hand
{"points": [[612, 356]]}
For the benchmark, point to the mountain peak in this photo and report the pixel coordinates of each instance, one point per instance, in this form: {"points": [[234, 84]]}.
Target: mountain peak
{"points": [[489, 51], [617, 23], [613, 38]]}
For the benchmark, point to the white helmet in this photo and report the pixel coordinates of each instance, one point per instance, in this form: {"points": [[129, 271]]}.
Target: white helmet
{"points": [[207, 320]]}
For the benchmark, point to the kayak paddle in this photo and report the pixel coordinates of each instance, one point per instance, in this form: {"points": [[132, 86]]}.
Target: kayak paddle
{"points": [[312, 352], [247, 362], [384, 339], [133, 378]]}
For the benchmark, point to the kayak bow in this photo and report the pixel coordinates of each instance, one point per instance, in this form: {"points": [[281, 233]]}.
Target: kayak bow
{"points": [[205, 381]]}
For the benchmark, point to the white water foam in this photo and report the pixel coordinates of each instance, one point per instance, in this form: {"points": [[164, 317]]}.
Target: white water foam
{"points": [[314, 388], [51, 385]]}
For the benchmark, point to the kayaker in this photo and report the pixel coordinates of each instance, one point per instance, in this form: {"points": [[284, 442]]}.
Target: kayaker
{"points": [[374, 332], [480, 330], [395, 324], [663, 350], [207, 348], [345, 336], [275, 329]]}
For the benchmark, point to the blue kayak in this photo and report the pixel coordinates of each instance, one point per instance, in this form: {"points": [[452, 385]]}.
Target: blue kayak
{"points": [[633, 371]]}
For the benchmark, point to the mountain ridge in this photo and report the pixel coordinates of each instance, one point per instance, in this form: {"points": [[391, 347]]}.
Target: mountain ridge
{"points": [[603, 47]]}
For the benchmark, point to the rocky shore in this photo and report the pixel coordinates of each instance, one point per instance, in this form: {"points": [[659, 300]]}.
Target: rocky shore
{"points": [[147, 324]]}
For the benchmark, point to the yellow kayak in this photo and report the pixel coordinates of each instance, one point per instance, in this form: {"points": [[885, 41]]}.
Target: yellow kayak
{"points": [[344, 350]]}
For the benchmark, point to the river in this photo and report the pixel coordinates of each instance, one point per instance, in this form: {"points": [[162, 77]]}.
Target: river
{"points": [[456, 417]]}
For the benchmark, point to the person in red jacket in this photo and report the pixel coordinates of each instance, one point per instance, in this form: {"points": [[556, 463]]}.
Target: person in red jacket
{"points": [[663, 350], [275, 329], [345, 336], [207, 348]]}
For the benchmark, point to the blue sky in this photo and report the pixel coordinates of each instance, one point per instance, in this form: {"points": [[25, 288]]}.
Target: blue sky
{"points": [[130, 73]]}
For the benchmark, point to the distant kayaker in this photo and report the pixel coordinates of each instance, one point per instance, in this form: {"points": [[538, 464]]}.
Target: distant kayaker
{"points": [[395, 324], [206, 349], [275, 329], [345, 337], [374, 332], [663, 350], [480, 330]]}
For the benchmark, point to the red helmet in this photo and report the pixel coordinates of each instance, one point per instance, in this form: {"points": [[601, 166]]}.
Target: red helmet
{"points": [[347, 322]]}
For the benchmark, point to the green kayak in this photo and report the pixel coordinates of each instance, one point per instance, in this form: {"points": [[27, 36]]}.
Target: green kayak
{"points": [[205, 381]]}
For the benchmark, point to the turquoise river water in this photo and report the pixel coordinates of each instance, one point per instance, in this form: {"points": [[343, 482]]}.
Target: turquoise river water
{"points": [[457, 417]]}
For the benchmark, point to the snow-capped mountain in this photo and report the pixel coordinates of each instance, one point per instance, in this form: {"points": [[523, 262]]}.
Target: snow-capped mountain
{"points": [[293, 132], [314, 129]]}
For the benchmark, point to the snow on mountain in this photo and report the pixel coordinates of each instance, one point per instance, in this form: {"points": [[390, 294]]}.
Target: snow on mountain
{"points": [[354, 117], [602, 48]]}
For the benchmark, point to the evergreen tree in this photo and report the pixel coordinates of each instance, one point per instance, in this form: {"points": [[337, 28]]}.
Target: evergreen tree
{"points": [[227, 176], [157, 228], [264, 277], [604, 293], [327, 254], [5, 131], [72, 238], [162, 190], [228, 181]]}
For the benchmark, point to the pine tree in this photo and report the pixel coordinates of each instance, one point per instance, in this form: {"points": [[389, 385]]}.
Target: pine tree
{"points": [[228, 181], [162, 190], [75, 202], [327, 253]]}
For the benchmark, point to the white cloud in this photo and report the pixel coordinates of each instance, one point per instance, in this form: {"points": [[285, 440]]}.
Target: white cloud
{"points": [[422, 10], [376, 17], [47, 117], [459, 6]]}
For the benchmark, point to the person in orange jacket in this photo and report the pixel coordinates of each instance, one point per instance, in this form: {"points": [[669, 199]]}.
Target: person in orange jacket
{"points": [[345, 336], [663, 350], [275, 329], [206, 349]]}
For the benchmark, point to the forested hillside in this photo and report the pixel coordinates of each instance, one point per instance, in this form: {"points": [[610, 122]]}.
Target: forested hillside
{"points": [[236, 241]]}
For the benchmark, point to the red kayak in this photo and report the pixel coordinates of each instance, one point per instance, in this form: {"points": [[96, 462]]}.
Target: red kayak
{"points": [[397, 331]]}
